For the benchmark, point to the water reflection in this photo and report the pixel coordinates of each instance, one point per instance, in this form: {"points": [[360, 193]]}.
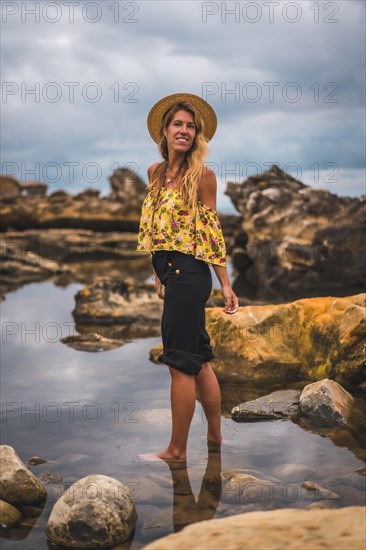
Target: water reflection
{"points": [[185, 508]]}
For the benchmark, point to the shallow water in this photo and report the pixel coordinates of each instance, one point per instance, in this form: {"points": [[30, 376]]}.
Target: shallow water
{"points": [[96, 412]]}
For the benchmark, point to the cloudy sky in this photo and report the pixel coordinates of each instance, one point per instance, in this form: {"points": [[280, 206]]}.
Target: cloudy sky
{"points": [[285, 78]]}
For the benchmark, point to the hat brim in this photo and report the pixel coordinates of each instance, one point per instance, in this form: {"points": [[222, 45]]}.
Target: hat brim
{"points": [[155, 117]]}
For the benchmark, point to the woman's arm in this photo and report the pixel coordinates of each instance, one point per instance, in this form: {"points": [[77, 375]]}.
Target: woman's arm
{"points": [[207, 190]]}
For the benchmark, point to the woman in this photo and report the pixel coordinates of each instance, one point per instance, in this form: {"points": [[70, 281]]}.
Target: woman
{"points": [[180, 227]]}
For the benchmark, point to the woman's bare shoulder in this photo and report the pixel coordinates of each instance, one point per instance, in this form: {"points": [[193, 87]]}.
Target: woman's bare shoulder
{"points": [[152, 168]]}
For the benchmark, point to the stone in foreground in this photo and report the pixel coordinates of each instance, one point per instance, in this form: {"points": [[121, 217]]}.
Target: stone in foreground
{"points": [[326, 401], [95, 511], [17, 483], [285, 529]]}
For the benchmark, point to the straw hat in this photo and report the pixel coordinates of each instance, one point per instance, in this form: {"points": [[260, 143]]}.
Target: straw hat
{"points": [[155, 117]]}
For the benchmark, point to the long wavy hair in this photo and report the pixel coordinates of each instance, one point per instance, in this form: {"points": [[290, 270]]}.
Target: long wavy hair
{"points": [[194, 159]]}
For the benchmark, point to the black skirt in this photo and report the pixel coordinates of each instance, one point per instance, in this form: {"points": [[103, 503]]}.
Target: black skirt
{"points": [[188, 285]]}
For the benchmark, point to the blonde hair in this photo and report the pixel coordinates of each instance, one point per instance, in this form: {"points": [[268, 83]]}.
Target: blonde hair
{"points": [[193, 162]]}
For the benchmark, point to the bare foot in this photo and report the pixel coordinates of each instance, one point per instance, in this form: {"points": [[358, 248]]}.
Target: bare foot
{"points": [[163, 455]]}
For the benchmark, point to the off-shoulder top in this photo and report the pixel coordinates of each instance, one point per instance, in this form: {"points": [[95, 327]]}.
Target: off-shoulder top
{"points": [[171, 225]]}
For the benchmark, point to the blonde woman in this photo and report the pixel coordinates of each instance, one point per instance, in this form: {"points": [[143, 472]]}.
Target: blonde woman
{"points": [[180, 228]]}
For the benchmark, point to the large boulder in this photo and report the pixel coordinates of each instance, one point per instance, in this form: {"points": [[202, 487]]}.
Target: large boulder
{"points": [[127, 188], [96, 511], [326, 401], [306, 340], [284, 529], [17, 483], [301, 241]]}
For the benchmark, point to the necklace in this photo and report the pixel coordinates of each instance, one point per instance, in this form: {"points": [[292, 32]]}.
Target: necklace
{"points": [[171, 178]]}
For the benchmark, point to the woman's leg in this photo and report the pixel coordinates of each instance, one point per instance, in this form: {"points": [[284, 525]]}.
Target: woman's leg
{"points": [[183, 401], [210, 395]]}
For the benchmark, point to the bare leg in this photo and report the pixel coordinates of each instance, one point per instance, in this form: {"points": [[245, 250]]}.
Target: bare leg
{"points": [[210, 395], [183, 402]]}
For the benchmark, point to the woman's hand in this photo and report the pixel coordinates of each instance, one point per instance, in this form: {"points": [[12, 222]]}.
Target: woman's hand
{"points": [[159, 288], [230, 299]]}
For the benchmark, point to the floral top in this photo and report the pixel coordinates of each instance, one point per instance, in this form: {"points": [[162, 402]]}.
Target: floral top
{"points": [[173, 226]]}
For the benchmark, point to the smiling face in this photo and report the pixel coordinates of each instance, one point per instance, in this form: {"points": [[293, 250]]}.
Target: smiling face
{"points": [[181, 131]]}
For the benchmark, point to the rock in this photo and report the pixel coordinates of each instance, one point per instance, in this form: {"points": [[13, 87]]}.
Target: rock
{"points": [[94, 193], [18, 268], [9, 515], [305, 340], [53, 483], [278, 404], [127, 188], [87, 253], [91, 341], [296, 236], [34, 188], [284, 529], [107, 302], [17, 483], [9, 189], [35, 461], [30, 517], [96, 511], [61, 245], [118, 212], [320, 492], [326, 401]]}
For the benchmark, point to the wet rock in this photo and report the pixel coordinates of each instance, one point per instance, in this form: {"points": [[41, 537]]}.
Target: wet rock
{"points": [[278, 404], [296, 236], [9, 515], [245, 487], [326, 401], [306, 340], [53, 483], [96, 511], [111, 303], [35, 461], [320, 492], [17, 483], [30, 517], [275, 529], [361, 471], [92, 342]]}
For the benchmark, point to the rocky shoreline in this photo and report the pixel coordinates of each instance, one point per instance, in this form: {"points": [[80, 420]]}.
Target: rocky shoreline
{"points": [[288, 241], [301, 326]]}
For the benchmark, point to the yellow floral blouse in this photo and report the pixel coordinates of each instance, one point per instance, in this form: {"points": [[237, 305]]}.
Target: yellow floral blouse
{"points": [[173, 226]]}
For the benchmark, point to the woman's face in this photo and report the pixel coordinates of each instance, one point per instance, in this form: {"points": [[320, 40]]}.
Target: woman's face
{"points": [[181, 131]]}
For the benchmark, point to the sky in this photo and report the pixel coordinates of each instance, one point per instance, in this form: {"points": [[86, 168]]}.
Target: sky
{"points": [[286, 80]]}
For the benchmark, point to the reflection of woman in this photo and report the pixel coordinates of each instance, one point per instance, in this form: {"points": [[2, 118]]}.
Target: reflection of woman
{"points": [[180, 227], [185, 508]]}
